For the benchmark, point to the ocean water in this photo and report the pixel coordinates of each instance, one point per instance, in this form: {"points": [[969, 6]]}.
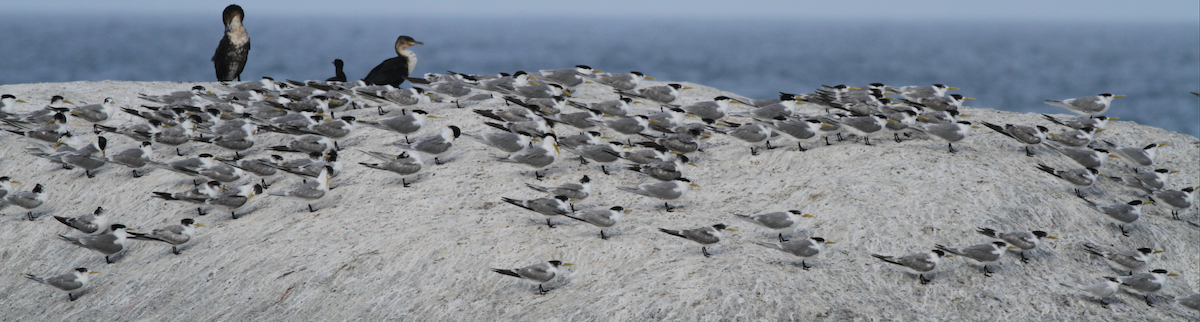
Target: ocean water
{"points": [[1010, 66]]}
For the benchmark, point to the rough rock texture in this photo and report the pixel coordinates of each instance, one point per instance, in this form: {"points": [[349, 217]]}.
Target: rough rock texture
{"points": [[387, 252]]}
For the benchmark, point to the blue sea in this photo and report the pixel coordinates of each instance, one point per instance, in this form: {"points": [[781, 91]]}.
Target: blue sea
{"points": [[1005, 65]]}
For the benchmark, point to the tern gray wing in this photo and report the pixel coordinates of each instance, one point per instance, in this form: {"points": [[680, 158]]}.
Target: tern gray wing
{"points": [[65, 282], [774, 220], [799, 247], [24, 199], [538, 272]]}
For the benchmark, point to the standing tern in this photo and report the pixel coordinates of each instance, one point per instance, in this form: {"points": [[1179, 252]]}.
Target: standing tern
{"points": [[174, 234], [864, 126], [235, 200], [405, 164], [1100, 290], [619, 81], [93, 224], [437, 145], [1077, 178], [1098, 122], [919, 263], [704, 236], [617, 107], [1121, 214], [753, 133], [1075, 138], [779, 222], [949, 132], [669, 190], [404, 123], [574, 191], [1029, 136], [919, 93], [32, 200], [981, 254], [602, 218], [1135, 156], [662, 170], [1087, 106], [69, 283], [662, 94], [1088, 158], [505, 141], [1024, 240], [802, 248], [1175, 200], [569, 78], [538, 156], [801, 131], [134, 157], [1147, 181], [540, 273], [1126, 261], [109, 243], [549, 207], [312, 191], [1145, 284]]}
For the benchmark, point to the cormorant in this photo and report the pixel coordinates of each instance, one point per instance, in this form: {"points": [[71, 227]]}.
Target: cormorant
{"points": [[394, 70], [337, 69], [230, 58]]}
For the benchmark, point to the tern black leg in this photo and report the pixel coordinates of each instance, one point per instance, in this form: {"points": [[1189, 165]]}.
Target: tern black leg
{"points": [[264, 184], [234, 214], [951, 147], [29, 215], [602, 236], [548, 223], [537, 175], [107, 261], [781, 238], [868, 140], [136, 174], [602, 169], [406, 141], [175, 250], [669, 208], [1123, 232], [96, 128], [839, 135], [923, 280], [801, 147], [897, 136], [177, 152], [769, 147], [89, 174], [827, 141], [1024, 258], [437, 161], [1103, 304], [200, 211], [403, 183], [804, 265], [572, 207], [987, 272], [310, 208], [1078, 193], [1028, 152], [1175, 214], [72, 297], [704, 250], [1148, 300], [753, 152], [541, 290]]}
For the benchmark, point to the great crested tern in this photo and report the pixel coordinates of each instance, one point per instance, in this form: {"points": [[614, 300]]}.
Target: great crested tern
{"points": [[137, 131], [312, 191], [1087, 106], [1136, 156], [438, 145], [1024, 240], [801, 131], [1126, 261], [1148, 181], [536, 127], [505, 141], [93, 224], [569, 78], [96, 113], [395, 70], [667, 170], [602, 218], [919, 93], [754, 133], [574, 191], [549, 207], [5, 186], [1190, 301], [1075, 138], [949, 132], [69, 283], [1029, 136], [405, 123], [1120, 214], [1145, 284], [682, 143], [399, 96], [1097, 122], [508, 114], [715, 109], [646, 156], [174, 234], [803, 248], [583, 138], [1099, 290], [405, 164], [234, 48], [307, 144], [919, 263], [662, 94], [1077, 178], [539, 273], [31, 200], [864, 126], [109, 243], [779, 222], [619, 81], [534, 90], [537, 156], [981, 254], [49, 132], [8, 103], [617, 107], [580, 120], [235, 200], [1088, 158], [669, 190], [603, 154], [1175, 200], [704, 236]]}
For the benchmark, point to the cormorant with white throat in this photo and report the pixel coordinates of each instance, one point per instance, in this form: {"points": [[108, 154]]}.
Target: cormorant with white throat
{"points": [[230, 58], [394, 70]]}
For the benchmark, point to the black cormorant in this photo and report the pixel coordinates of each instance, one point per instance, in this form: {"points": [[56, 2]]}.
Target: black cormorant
{"points": [[394, 70], [230, 58], [339, 76]]}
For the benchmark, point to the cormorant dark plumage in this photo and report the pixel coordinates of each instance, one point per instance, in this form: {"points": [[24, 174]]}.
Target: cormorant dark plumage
{"points": [[394, 70], [230, 58], [337, 69]]}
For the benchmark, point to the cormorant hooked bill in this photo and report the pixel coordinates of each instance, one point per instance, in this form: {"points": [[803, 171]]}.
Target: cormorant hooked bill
{"points": [[230, 58], [394, 70]]}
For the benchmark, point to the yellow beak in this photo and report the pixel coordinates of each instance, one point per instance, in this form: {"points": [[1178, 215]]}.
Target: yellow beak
{"points": [[1118, 96], [201, 225]]}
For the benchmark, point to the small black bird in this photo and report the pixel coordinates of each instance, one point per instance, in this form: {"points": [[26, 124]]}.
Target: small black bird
{"points": [[230, 58], [339, 76], [394, 70]]}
